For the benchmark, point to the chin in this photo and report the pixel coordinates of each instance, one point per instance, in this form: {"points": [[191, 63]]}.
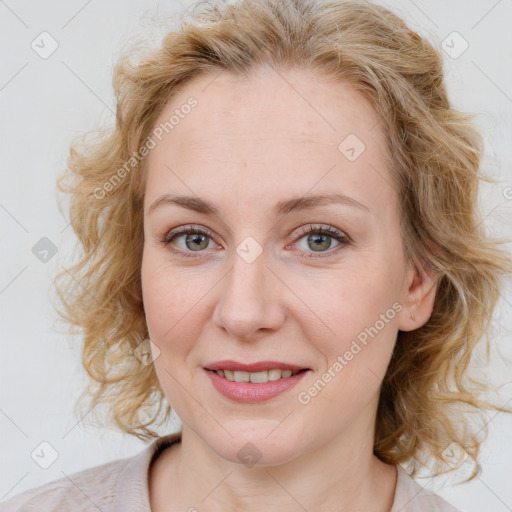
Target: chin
{"points": [[262, 446]]}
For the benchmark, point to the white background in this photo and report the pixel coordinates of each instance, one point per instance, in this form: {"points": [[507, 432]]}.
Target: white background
{"points": [[45, 103]]}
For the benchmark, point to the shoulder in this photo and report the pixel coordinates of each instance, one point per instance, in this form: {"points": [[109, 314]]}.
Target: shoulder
{"points": [[118, 486], [91, 489], [410, 496]]}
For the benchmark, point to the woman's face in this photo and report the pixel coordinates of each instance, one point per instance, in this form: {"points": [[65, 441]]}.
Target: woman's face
{"points": [[257, 286]]}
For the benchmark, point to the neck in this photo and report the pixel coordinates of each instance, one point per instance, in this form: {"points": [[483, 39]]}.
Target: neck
{"points": [[341, 474]]}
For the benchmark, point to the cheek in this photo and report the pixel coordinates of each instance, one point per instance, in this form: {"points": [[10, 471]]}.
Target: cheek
{"points": [[354, 328], [161, 297], [167, 311], [347, 301], [172, 306]]}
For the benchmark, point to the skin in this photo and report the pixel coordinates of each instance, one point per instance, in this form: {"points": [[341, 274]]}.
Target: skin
{"points": [[246, 146]]}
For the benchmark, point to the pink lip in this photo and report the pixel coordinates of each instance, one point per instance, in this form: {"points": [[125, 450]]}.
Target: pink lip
{"points": [[260, 366], [249, 392]]}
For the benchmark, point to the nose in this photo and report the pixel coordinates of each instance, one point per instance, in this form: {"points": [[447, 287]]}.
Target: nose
{"points": [[249, 305]]}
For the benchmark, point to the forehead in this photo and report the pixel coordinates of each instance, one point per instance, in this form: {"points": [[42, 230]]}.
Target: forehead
{"points": [[278, 127]]}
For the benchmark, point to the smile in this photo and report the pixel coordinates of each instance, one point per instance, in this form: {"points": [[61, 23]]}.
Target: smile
{"points": [[257, 377], [253, 387]]}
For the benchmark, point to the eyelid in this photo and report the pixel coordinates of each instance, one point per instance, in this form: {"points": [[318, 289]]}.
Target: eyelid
{"points": [[323, 228], [340, 236], [337, 234], [183, 230]]}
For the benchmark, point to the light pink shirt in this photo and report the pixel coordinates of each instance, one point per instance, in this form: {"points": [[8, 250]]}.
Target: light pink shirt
{"points": [[122, 486]]}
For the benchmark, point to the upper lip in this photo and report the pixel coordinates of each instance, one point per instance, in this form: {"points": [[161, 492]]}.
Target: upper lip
{"points": [[259, 366]]}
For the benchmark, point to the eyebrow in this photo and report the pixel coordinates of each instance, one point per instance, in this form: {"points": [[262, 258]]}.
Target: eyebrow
{"points": [[281, 208]]}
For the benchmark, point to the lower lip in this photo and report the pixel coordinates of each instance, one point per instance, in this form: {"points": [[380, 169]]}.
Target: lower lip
{"points": [[249, 392]]}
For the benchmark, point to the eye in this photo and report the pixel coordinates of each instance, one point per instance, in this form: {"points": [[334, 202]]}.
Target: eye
{"points": [[196, 239], [319, 240]]}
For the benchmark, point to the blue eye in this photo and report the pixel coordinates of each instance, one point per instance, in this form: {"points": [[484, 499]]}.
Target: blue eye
{"points": [[192, 237], [196, 239], [318, 238]]}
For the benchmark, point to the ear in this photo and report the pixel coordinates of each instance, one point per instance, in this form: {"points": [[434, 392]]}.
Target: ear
{"points": [[418, 302]]}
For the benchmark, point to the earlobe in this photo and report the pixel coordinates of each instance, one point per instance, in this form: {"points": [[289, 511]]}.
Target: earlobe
{"points": [[419, 298]]}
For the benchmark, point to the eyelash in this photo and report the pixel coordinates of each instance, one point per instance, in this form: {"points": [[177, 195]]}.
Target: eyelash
{"points": [[307, 230]]}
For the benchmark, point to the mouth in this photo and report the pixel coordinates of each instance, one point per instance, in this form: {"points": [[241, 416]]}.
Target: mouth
{"points": [[254, 382], [258, 372], [259, 377]]}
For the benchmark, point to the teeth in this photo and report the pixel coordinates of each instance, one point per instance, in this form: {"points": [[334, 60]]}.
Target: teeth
{"points": [[258, 377], [274, 374], [255, 377], [242, 376]]}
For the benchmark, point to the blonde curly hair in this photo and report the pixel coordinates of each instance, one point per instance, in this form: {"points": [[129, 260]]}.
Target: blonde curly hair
{"points": [[436, 154]]}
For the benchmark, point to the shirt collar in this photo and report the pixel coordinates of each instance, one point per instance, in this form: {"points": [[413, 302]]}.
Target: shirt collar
{"points": [[132, 491]]}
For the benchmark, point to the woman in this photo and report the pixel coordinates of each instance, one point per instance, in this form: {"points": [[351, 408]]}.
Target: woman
{"points": [[282, 238]]}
